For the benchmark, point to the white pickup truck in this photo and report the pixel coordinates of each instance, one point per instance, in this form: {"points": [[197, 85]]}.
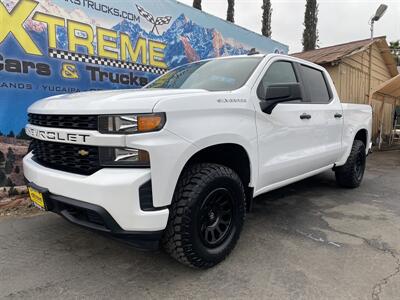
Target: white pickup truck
{"points": [[178, 163]]}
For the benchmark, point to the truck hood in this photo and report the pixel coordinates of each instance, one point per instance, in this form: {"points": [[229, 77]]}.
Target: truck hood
{"points": [[107, 102]]}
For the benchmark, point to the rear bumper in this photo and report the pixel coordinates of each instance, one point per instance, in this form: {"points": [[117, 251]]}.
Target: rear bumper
{"points": [[112, 192]]}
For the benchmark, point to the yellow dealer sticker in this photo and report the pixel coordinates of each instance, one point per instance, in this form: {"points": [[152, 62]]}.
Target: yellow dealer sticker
{"points": [[36, 197]]}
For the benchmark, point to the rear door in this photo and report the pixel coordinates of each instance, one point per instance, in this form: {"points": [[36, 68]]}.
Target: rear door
{"points": [[326, 114]]}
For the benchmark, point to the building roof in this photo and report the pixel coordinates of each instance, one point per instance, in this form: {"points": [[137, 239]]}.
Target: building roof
{"points": [[336, 53], [390, 88]]}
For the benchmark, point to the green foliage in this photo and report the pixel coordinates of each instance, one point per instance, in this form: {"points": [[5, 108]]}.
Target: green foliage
{"points": [[230, 16], [310, 34], [197, 4], [395, 50], [266, 18]]}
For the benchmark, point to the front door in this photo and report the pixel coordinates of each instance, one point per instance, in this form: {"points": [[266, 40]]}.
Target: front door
{"points": [[285, 136]]}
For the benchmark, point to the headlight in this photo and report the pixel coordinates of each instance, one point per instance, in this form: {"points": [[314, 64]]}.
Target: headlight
{"points": [[123, 157], [130, 124]]}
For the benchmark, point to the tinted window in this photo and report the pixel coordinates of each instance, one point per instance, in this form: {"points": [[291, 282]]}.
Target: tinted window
{"points": [[315, 82], [212, 75], [278, 72]]}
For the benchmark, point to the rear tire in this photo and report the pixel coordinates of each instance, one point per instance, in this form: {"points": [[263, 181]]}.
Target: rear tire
{"points": [[206, 215], [351, 173]]}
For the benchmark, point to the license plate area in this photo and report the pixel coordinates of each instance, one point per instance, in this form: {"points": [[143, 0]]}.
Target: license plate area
{"points": [[37, 196]]}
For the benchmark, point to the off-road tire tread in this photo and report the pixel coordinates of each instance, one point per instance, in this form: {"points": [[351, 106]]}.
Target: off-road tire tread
{"points": [[345, 175], [174, 241]]}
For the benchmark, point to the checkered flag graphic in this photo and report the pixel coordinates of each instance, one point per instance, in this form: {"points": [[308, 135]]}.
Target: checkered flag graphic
{"points": [[159, 21], [102, 61], [145, 14], [163, 20]]}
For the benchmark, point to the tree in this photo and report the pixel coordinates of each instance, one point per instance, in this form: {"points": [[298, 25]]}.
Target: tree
{"points": [[197, 4], [230, 16], [2, 177], [11, 134], [395, 50], [310, 34], [12, 191], [266, 18], [8, 167], [17, 170], [2, 158], [10, 155], [22, 135], [9, 182], [1, 133]]}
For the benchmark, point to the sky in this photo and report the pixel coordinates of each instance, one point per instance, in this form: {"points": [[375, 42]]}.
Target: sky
{"points": [[339, 22]]}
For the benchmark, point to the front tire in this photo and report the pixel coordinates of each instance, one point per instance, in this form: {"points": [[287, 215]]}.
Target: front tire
{"points": [[351, 173], [206, 215]]}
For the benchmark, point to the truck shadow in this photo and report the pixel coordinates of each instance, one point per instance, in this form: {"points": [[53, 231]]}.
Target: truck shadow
{"points": [[296, 207]]}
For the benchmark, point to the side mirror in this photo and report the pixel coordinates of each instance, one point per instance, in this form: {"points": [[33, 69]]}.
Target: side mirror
{"points": [[279, 93]]}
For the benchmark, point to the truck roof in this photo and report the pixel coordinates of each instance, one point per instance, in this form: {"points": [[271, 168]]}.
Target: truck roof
{"points": [[269, 55], [261, 55]]}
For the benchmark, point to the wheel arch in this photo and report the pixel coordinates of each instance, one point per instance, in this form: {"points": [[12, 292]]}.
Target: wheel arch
{"points": [[362, 135], [231, 155]]}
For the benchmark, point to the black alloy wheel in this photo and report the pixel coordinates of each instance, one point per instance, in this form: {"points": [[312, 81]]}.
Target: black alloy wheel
{"points": [[215, 219]]}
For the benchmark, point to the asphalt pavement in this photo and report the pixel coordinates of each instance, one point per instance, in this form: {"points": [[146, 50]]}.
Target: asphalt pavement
{"points": [[310, 240]]}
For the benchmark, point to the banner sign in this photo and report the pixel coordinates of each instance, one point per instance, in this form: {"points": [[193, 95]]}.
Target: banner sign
{"points": [[50, 47]]}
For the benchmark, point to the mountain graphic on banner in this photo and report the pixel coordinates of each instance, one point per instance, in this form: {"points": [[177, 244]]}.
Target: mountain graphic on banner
{"points": [[186, 41]]}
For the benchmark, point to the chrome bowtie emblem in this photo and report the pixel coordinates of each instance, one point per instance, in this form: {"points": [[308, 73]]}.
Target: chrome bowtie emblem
{"points": [[83, 152]]}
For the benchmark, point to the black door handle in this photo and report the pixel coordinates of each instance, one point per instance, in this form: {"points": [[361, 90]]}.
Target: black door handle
{"points": [[338, 116], [305, 116]]}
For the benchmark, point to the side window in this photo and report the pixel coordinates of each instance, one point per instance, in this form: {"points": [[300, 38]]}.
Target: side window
{"points": [[314, 81], [278, 72]]}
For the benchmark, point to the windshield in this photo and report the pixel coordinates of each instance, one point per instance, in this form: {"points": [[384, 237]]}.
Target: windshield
{"points": [[212, 75]]}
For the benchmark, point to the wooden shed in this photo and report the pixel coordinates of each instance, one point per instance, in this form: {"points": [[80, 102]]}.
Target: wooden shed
{"points": [[359, 70]]}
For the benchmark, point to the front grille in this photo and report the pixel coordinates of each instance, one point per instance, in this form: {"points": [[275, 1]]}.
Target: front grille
{"points": [[86, 122], [66, 157]]}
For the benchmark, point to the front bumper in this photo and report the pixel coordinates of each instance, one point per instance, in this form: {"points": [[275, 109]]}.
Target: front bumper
{"points": [[97, 218], [113, 191]]}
